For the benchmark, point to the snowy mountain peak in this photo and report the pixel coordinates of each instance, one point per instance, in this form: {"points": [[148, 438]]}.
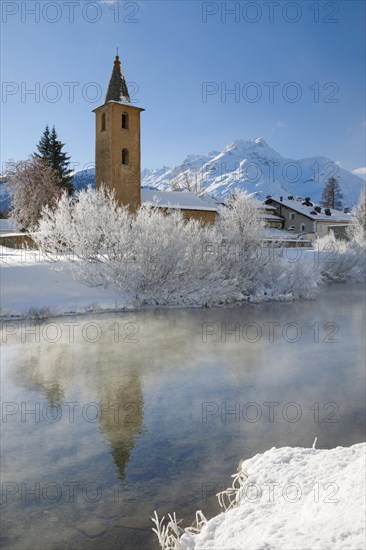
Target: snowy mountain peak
{"points": [[246, 144], [253, 166], [251, 147]]}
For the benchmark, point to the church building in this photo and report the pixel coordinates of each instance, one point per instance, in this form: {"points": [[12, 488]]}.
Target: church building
{"points": [[118, 156]]}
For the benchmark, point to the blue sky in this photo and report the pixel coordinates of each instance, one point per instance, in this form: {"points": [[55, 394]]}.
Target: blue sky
{"points": [[182, 57]]}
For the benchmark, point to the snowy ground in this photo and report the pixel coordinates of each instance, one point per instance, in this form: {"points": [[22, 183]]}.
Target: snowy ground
{"points": [[31, 286], [294, 499]]}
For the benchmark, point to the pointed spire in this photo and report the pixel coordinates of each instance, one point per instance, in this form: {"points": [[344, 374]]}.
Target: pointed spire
{"points": [[117, 89]]}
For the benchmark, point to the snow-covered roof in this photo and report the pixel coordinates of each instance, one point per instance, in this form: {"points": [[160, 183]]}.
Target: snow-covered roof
{"points": [[184, 200], [117, 88], [6, 234], [297, 206], [212, 201]]}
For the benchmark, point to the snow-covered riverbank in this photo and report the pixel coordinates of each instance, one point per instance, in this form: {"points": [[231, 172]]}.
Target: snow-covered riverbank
{"points": [[33, 286], [293, 498]]}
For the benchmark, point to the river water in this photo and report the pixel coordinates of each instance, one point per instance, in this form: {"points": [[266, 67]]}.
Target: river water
{"points": [[107, 418]]}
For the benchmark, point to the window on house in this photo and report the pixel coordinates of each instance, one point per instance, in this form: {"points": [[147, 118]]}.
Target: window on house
{"points": [[292, 216], [103, 122], [125, 156], [125, 121], [302, 227]]}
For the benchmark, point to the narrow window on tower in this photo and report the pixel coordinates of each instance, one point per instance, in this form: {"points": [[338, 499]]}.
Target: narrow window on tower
{"points": [[125, 156], [125, 121], [103, 122]]}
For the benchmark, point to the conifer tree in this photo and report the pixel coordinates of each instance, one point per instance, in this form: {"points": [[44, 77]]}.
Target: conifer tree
{"points": [[50, 149], [332, 196], [44, 146]]}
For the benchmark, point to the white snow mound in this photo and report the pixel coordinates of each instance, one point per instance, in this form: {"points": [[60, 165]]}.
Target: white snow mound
{"points": [[294, 499]]}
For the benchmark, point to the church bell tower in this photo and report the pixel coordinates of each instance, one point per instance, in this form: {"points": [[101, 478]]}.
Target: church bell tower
{"points": [[118, 152]]}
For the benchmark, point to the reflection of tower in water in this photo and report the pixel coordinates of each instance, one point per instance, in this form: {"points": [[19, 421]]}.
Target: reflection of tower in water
{"points": [[102, 380], [121, 402]]}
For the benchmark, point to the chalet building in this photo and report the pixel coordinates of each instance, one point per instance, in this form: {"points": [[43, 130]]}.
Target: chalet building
{"points": [[274, 234], [304, 217], [118, 156]]}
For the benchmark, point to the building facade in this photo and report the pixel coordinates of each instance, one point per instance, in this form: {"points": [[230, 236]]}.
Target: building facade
{"points": [[304, 217]]}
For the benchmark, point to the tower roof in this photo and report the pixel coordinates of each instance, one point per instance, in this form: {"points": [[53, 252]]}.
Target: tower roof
{"points": [[117, 88]]}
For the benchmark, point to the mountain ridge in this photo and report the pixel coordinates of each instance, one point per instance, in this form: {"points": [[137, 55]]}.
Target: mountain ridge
{"points": [[253, 166]]}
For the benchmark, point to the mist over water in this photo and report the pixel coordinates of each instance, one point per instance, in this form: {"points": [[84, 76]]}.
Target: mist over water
{"points": [[153, 410]]}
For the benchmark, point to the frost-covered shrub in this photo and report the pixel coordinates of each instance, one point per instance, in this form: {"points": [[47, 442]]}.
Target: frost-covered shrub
{"points": [[300, 279], [239, 228], [88, 227], [160, 259], [152, 257], [39, 312], [240, 222], [341, 261], [283, 277], [168, 263], [357, 229]]}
